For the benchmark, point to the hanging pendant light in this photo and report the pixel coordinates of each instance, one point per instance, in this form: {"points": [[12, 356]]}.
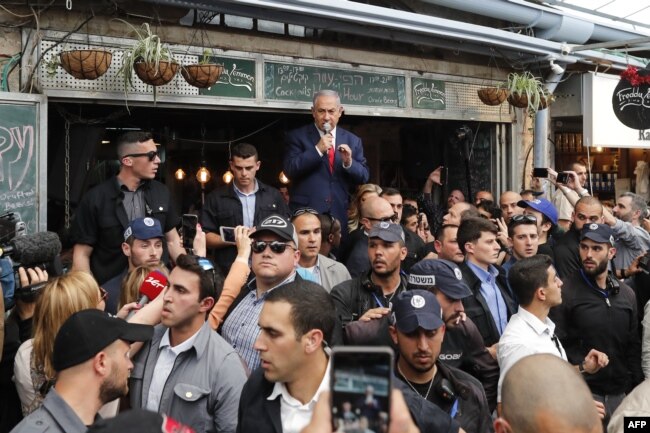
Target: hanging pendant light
{"points": [[227, 177], [203, 175], [179, 174], [283, 178]]}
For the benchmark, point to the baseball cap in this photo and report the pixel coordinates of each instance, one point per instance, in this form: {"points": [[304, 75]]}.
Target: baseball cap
{"points": [[601, 233], [139, 421], [387, 231], [541, 205], [278, 225], [415, 309], [87, 332], [144, 228], [443, 274]]}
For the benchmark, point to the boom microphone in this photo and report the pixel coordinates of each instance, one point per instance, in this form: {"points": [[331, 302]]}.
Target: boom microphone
{"points": [[154, 283], [33, 249]]}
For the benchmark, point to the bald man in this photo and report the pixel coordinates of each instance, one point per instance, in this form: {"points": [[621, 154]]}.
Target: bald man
{"points": [[556, 399], [508, 204], [355, 252]]}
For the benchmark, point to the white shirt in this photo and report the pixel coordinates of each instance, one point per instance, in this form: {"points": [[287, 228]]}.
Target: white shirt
{"points": [[525, 335], [295, 415], [164, 366]]}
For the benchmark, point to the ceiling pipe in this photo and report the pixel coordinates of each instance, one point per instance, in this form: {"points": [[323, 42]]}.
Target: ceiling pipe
{"points": [[549, 23]]}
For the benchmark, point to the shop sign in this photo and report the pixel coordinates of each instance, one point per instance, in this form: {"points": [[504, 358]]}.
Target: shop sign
{"points": [[291, 82], [631, 98], [429, 94], [237, 79]]}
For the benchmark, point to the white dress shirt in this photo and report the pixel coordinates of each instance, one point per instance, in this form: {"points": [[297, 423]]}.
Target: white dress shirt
{"points": [[526, 335], [295, 415], [164, 366]]}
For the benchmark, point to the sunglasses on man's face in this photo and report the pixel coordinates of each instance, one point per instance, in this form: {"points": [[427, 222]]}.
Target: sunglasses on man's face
{"points": [[276, 246], [151, 155]]}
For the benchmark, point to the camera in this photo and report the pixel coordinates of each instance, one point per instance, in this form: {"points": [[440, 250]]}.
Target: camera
{"points": [[644, 261]]}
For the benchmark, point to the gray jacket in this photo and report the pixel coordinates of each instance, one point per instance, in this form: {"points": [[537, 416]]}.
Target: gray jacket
{"points": [[631, 242], [331, 272], [203, 388], [54, 416]]}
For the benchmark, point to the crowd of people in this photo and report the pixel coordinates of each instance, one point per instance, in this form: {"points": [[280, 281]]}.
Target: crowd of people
{"points": [[516, 314]]}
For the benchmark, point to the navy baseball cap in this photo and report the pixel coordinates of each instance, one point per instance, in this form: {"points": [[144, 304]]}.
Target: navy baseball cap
{"points": [[386, 231], [601, 233], [87, 332], [277, 225], [541, 205], [415, 309], [144, 228], [443, 274]]}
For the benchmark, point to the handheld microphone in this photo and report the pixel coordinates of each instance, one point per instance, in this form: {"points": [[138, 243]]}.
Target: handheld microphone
{"points": [[33, 249], [327, 127], [154, 283]]}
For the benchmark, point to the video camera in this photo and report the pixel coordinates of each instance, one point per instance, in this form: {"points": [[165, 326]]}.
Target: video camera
{"points": [[39, 249]]}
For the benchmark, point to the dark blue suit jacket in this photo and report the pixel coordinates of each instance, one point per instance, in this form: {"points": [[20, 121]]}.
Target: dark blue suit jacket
{"points": [[313, 184]]}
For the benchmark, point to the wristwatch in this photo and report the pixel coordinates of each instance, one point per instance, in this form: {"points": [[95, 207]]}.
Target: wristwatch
{"points": [[581, 367], [584, 193]]}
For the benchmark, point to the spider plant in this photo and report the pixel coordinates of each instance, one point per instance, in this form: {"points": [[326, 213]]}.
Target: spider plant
{"points": [[529, 90], [148, 48]]}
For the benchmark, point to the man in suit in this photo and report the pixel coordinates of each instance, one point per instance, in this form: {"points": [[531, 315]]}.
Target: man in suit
{"points": [[491, 303], [313, 266], [324, 162], [296, 324]]}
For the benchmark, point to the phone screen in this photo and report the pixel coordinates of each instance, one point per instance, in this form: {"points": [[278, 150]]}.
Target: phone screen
{"points": [[188, 231], [227, 234], [540, 172], [360, 386]]}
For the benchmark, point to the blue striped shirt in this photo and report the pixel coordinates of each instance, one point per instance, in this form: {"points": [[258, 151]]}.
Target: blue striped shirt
{"points": [[241, 329]]}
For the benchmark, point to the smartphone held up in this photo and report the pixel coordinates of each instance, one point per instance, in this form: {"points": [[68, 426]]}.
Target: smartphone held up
{"points": [[361, 380]]}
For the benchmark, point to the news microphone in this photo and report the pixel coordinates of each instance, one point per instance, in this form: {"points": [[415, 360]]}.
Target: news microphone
{"points": [[327, 127], [34, 249], [154, 283]]}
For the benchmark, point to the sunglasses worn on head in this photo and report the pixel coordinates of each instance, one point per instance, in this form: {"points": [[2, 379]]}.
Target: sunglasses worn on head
{"points": [[526, 218], [304, 210], [152, 154], [276, 246]]}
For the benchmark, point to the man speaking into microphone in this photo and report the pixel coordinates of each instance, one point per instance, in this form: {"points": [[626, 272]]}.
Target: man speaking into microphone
{"points": [[324, 162]]}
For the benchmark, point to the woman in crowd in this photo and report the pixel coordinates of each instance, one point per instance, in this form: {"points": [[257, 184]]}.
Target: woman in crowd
{"points": [[354, 212]]}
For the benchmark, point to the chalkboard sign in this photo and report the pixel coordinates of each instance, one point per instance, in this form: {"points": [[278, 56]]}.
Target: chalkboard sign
{"points": [[428, 94], [22, 158], [289, 82], [237, 79]]}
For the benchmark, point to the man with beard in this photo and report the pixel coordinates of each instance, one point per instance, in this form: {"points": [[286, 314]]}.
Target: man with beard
{"points": [[188, 371], [417, 330], [369, 296], [91, 357], [598, 311], [463, 346], [446, 244], [529, 331]]}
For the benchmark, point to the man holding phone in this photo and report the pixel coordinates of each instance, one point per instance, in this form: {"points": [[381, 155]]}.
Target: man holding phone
{"points": [[561, 203], [246, 201]]}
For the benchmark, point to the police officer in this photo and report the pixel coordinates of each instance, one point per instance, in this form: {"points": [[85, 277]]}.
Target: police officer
{"points": [[463, 346]]}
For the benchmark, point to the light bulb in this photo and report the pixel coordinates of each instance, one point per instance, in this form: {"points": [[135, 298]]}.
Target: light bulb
{"points": [[227, 177], [179, 174]]}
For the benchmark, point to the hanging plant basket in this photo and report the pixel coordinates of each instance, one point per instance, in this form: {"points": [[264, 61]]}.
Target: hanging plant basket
{"points": [[521, 101], [202, 75], [86, 64], [527, 91], [156, 74], [492, 95]]}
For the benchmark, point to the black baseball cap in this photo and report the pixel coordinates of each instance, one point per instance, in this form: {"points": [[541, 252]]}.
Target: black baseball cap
{"points": [[87, 332], [387, 232], [415, 309], [278, 225], [443, 274]]}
